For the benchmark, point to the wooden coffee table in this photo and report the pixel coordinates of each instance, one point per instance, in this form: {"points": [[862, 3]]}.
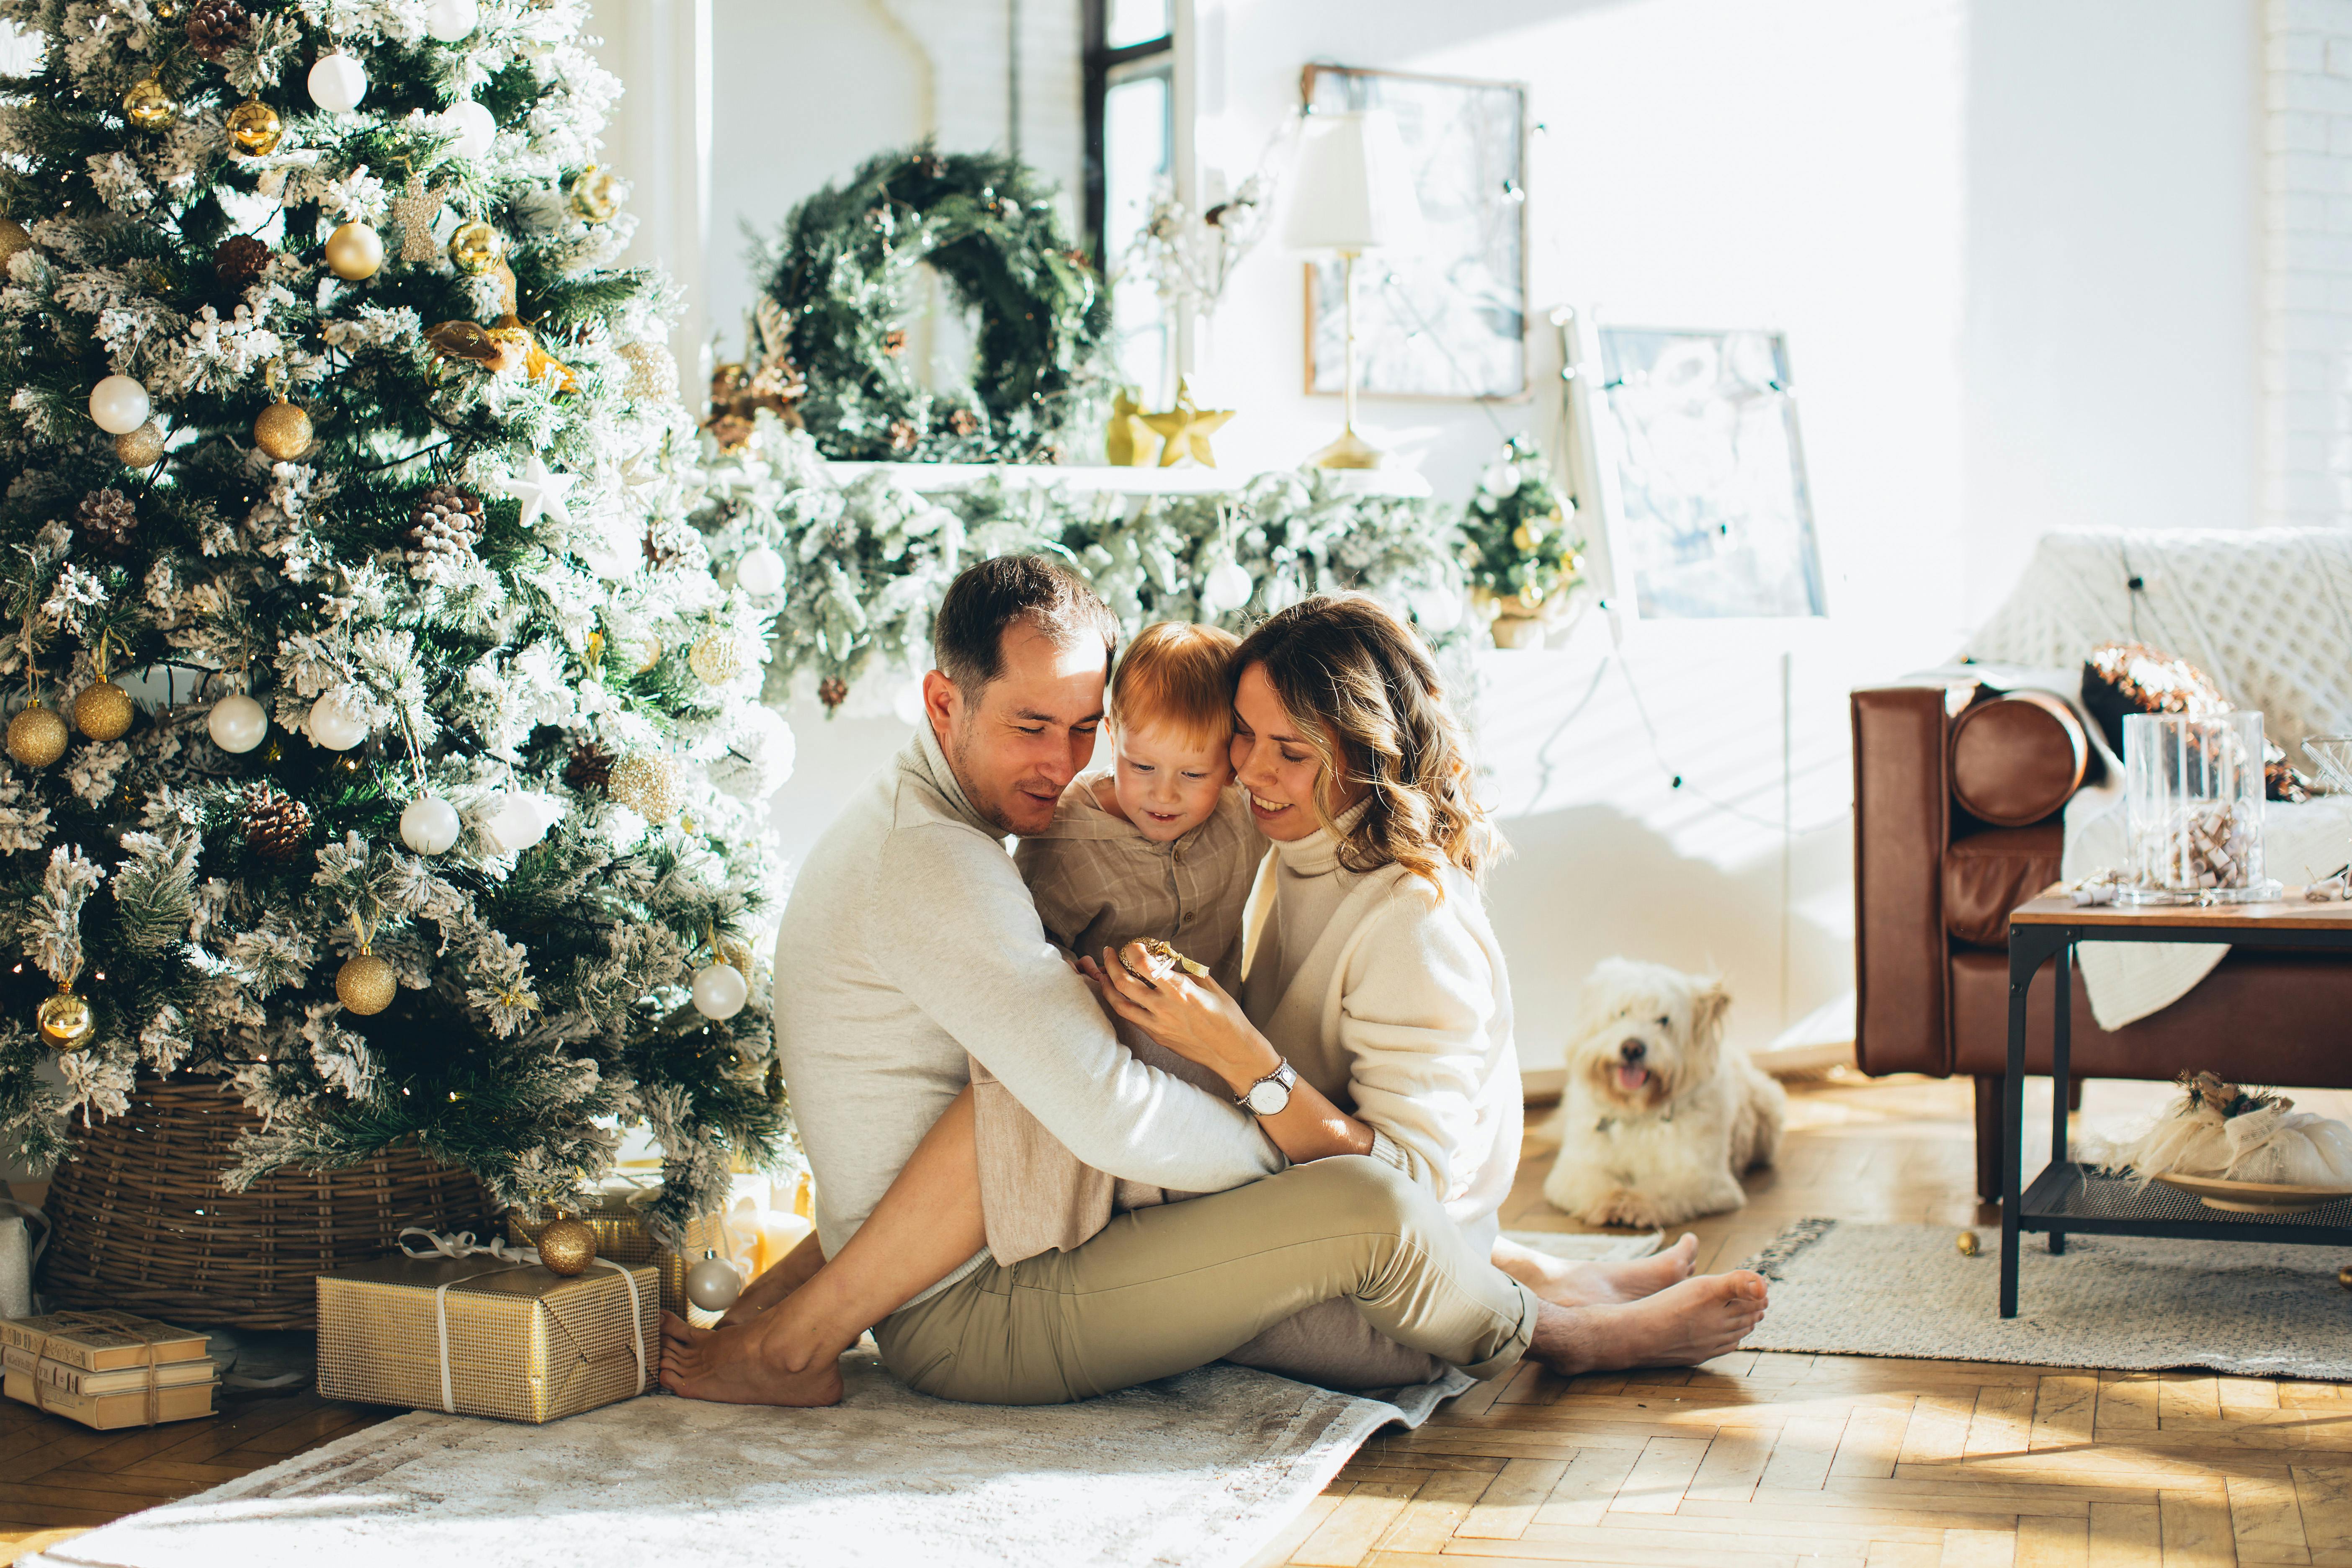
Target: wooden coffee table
{"points": [[2070, 1197]]}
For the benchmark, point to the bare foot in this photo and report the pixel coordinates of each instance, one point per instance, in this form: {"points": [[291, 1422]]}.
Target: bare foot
{"points": [[1681, 1325], [1567, 1283], [740, 1367]]}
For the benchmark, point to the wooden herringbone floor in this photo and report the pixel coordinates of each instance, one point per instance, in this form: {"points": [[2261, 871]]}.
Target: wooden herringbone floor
{"points": [[1756, 1459]]}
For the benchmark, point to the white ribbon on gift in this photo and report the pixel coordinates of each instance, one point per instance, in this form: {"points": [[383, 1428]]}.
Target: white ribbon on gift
{"points": [[461, 1244]]}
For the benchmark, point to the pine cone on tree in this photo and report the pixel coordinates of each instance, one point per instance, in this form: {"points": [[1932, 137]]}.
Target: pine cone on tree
{"points": [[276, 824], [216, 27], [591, 767], [105, 518], [447, 525], [238, 262], [833, 691]]}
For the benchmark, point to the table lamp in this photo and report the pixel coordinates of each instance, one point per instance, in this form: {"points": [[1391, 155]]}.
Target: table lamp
{"points": [[1350, 193]]}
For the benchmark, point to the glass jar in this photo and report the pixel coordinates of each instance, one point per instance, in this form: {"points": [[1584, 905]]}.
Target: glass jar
{"points": [[2193, 809]]}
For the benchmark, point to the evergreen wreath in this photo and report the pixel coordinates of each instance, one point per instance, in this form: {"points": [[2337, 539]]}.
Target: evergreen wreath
{"points": [[841, 271]]}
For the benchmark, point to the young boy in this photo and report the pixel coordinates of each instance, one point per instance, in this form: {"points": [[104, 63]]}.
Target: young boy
{"points": [[1162, 845]]}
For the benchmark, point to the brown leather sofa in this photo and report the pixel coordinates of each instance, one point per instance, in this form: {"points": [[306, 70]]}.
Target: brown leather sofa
{"points": [[1958, 792]]}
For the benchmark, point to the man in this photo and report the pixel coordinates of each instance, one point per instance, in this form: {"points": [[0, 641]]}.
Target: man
{"points": [[910, 941]]}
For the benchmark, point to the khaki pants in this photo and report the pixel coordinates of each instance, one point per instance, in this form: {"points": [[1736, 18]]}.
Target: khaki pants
{"points": [[1163, 1290]]}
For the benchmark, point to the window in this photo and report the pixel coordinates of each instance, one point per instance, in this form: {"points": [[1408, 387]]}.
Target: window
{"points": [[1131, 105]]}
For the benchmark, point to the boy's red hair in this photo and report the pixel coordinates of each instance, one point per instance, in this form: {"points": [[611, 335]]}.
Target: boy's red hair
{"points": [[1178, 676]]}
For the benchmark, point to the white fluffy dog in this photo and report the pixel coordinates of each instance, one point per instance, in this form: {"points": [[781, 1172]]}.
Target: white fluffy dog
{"points": [[1659, 1119]]}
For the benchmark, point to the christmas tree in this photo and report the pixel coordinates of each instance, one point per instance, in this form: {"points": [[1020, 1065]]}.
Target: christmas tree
{"points": [[382, 739]]}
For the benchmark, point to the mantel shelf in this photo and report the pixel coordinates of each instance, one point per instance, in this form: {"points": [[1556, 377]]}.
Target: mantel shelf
{"points": [[1177, 482]]}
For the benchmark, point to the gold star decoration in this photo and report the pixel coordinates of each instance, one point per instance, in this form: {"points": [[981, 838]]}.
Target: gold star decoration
{"points": [[1185, 430], [414, 210], [1128, 445]]}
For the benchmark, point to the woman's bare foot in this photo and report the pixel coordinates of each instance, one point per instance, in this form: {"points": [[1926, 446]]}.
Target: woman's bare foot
{"points": [[1681, 1325], [743, 1366], [1568, 1283]]}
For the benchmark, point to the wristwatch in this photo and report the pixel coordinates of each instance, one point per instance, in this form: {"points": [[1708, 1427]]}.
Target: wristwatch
{"points": [[1270, 1095]]}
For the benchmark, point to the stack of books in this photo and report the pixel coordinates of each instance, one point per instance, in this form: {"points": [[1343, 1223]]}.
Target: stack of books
{"points": [[107, 1369]]}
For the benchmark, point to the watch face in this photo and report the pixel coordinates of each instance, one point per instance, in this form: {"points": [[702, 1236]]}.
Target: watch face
{"points": [[1266, 1097]]}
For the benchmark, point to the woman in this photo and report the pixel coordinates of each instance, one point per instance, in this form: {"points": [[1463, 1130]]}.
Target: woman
{"points": [[1372, 971]]}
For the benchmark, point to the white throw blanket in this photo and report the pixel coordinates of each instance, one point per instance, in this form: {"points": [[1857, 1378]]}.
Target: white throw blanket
{"points": [[2267, 613]]}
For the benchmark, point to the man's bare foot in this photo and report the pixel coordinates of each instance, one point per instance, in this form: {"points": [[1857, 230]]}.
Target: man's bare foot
{"points": [[742, 1366], [1568, 1283], [1681, 1325]]}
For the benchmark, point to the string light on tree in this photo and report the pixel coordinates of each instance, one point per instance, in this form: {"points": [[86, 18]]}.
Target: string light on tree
{"points": [[36, 736], [237, 723], [334, 724], [429, 824], [337, 82], [354, 252], [119, 405]]}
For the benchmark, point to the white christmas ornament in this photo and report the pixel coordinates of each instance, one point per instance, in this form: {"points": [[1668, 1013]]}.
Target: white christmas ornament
{"points": [[474, 127], [714, 1283], [760, 571], [450, 20], [513, 820], [119, 404], [719, 990], [1502, 479], [541, 490], [1438, 610], [428, 825], [237, 723], [338, 82], [1226, 587], [334, 725]]}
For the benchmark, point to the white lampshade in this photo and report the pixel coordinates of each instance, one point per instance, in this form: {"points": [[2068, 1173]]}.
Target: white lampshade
{"points": [[1350, 189]]}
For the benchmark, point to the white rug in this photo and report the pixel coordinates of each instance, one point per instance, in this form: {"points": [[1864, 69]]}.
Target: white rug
{"points": [[2129, 1303]]}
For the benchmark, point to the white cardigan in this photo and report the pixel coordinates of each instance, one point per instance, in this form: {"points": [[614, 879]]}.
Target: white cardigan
{"points": [[1400, 1011]]}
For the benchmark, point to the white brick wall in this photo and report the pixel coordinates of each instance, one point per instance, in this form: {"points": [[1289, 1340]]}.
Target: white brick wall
{"points": [[2307, 262]]}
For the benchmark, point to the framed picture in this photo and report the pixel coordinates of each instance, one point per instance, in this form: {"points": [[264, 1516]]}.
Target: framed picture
{"points": [[1450, 320], [1687, 441]]}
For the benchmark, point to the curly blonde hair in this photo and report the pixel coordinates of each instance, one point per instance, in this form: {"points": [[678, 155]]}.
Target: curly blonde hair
{"points": [[1363, 689]]}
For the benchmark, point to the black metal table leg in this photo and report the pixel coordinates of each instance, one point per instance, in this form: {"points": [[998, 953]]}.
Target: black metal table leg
{"points": [[2024, 957], [2062, 1019]]}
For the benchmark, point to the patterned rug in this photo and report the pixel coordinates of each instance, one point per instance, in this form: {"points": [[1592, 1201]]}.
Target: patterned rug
{"points": [[2127, 1303]]}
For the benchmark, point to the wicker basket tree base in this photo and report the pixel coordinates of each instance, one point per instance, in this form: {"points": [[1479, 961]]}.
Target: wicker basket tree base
{"points": [[143, 1225]]}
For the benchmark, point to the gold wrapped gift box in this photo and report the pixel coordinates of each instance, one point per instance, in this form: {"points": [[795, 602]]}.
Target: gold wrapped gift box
{"points": [[621, 1235], [524, 1344]]}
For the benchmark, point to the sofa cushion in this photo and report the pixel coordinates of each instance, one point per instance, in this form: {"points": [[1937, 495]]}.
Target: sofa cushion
{"points": [[2017, 759], [1990, 872]]}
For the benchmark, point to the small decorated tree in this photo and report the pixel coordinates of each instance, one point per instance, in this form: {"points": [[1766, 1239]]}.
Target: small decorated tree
{"points": [[415, 773], [1518, 543]]}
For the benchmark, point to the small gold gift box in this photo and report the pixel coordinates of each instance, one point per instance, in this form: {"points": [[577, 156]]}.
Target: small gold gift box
{"points": [[523, 1342], [621, 1235]]}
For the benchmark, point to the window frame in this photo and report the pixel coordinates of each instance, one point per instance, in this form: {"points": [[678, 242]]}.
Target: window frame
{"points": [[1100, 63]]}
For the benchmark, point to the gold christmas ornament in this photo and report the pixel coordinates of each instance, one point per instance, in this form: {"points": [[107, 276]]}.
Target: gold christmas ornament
{"points": [[36, 736], [1129, 444], [567, 1246], [282, 430], [596, 193], [13, 237], [141, 449], [475, 247], [147, 106], [1185, 430], [65, 1020], [646, 783], [365, 984], [253, 128], [2343, 1275], [653, 369], [715, 657], [1968, 1244], [103, 712], [354, 252]]}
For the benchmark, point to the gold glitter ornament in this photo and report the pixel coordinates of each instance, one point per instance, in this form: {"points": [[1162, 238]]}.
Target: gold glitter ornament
{"points": [[103, 712], [653, 369], [165, 10], [365, 984], [147, 106], [13, 237], [596, 193], [475, 247], [354, 252], [2343, 1275], [567, 1246], [36, 736], [716, 657], [65, 1020], [141, 449], [646, 783], [253, 128], [282, 430], [1968, 1244]]}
